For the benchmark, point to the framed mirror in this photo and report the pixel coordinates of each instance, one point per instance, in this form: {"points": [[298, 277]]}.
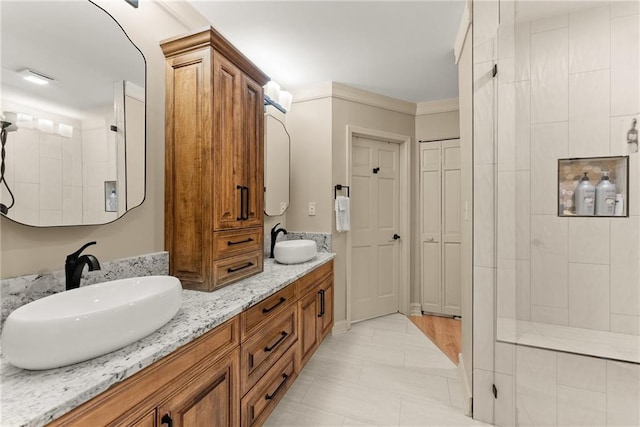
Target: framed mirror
{"points": [[276, 162], [74, 84]]}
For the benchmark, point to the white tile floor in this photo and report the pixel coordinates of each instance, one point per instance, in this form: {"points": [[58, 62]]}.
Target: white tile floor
{"points": [[383, 372]]}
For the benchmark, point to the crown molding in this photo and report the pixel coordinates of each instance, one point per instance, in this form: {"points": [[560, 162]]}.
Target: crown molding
{"points": [[348, 93], [439, 106], [184, 13]]}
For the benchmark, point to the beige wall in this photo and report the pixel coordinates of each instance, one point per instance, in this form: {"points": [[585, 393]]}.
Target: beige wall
{"points": [[353, 113], [309, 124], [318, 128], [26, 250]]}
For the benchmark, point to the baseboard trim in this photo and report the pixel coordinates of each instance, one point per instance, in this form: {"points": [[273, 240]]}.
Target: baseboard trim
{"points": [[340, 327], [465, 387], [415, 309]]}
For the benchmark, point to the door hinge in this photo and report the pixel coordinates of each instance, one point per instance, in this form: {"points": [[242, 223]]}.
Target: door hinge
{"points": [[495, 70], [495, 391]]}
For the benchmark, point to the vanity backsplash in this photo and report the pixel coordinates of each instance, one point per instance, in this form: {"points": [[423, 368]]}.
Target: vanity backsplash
{"points": [[18, 291], [323, 240]]}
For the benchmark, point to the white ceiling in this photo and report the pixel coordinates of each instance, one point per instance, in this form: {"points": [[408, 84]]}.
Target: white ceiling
{"points": [[76, 43], [395, 48]]}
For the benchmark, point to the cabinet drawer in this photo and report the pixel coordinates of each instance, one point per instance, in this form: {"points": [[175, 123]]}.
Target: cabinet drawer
{"points": [[265, 395], [266, 310], [308, 282], [229, 270], [264, 348], [236, 242]]}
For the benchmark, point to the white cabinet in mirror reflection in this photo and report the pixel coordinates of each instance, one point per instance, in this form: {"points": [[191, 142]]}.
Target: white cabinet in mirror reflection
{"points": [[276, 162]]}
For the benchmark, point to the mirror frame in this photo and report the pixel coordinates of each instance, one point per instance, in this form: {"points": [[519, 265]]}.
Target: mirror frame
{"points": [[266, 113]]}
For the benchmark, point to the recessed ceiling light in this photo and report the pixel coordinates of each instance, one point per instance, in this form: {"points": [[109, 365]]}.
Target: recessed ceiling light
{"points": [[35, 77]]}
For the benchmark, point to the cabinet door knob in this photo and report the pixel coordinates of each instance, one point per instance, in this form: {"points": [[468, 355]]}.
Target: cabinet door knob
{"points": [[166, 419]]}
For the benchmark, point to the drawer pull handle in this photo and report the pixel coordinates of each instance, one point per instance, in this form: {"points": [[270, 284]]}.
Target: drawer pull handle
{"points": [[229, 243], [233, 270], [266, 310], [166, 419], [283, 335], [321, 294], [285, 377]]}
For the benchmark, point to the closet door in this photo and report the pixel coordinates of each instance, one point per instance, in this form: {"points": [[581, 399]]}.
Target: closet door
{"points": [[440, 235], [430, 211], [451, 223]]}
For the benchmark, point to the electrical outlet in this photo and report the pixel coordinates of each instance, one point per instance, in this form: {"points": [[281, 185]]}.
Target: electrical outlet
{"points": [[312, 208]]}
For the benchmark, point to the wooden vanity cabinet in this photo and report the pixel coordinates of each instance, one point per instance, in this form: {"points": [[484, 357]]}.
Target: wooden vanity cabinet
{"points": [[196, 385], [214, 185], [315, 309], [233, 375]]}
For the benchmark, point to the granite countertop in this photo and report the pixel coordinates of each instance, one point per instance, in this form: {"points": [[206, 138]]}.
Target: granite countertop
{"points": [[34, 398]]}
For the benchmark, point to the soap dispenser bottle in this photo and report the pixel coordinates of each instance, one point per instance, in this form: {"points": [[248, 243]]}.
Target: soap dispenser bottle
{"points": [[605, 196], [585, 196]]}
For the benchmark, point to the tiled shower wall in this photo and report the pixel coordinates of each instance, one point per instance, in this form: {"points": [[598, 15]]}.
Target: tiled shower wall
{"points": [[58, 180], [568, 86], [570, 271]]}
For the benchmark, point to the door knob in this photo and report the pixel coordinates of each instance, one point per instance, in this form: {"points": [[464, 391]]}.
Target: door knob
{"points": [[396, 237]]}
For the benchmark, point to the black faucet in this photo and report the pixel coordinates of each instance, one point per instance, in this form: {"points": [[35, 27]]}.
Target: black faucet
{"points": [[274, 235], [75, 264]]}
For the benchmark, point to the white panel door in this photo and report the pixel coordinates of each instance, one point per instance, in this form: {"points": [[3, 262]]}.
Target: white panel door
{"points": [[430, 184], [374, 222], [440, 224], [451, 227]]}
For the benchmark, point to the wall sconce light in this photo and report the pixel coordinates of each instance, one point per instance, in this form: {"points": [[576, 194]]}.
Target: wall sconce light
{"points": [[35, 77], [281, 99]]}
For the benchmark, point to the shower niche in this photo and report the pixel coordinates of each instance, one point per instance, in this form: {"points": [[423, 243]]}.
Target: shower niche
{"points": [[593, 187]]}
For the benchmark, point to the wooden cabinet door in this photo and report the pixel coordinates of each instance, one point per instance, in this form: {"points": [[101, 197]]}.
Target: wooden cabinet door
{"points": [[228, 154], [188, 166], [148, 420], [253, 151], [210, 399], [325, 320], [308, 329]]}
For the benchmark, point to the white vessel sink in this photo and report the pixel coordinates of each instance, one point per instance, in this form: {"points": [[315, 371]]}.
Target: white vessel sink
{"points": [[90, 321], [294, 251]]}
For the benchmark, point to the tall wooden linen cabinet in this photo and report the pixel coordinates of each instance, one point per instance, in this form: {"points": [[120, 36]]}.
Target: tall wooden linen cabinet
{"points": [[213, 162]]}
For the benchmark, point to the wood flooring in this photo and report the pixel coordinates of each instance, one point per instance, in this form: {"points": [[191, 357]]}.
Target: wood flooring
{"points": [[444, 332]]}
